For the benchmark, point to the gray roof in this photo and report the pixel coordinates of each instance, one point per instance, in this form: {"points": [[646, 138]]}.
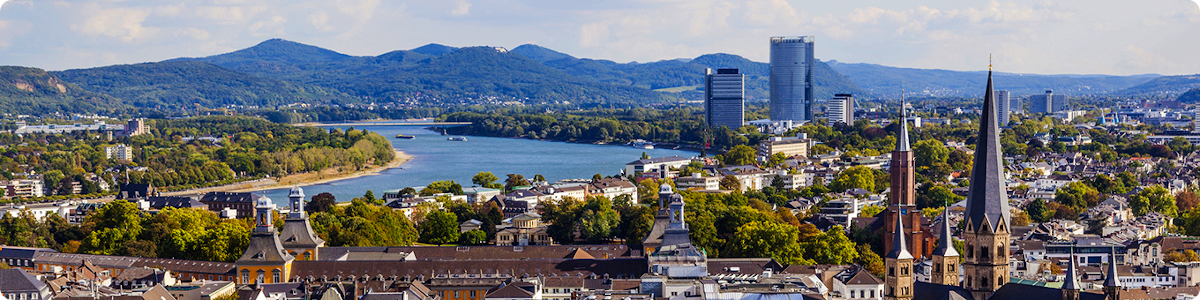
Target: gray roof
{"points": [[987, 199], [297, 233], [227, 197], [945, 246], [264, 249], [899, 246], [17, 280], [176, 202], [658, 160]]}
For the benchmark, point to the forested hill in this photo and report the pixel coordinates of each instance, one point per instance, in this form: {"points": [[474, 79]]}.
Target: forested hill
{"points": [[1166, 85], [888, 81], [182, 84], [34, 91]]}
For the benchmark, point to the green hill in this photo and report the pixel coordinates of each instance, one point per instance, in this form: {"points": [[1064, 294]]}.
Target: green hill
{"points": [[34, 91], [1191, 96], [1166, 85], [888, 81], [539, 53], [179, 84]]}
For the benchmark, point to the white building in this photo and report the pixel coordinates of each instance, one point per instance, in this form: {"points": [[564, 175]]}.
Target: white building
{"points": [[643, 165], [840, 109], [119, 152]]}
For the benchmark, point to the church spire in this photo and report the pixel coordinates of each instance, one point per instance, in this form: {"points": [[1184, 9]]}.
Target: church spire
{"points": [[1070, 287], [945, 245], [902, 136], [899, 246], [987, 200]]}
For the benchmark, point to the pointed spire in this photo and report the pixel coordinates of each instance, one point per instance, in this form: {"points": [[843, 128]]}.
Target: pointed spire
{"points": [[1071, 282], [1112, 280], [902, 136], [899, 246], [945, 246], [987, 201]]}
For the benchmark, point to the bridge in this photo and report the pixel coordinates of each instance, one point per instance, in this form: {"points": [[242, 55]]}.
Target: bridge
{"points": [[432, 124]]}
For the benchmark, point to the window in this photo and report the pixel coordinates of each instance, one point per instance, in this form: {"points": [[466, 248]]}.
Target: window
{"points": [[275, 275], [472, 294], [851, 294], [891, 271], [261, 276], [674, 293], [245, 276], [872, 293], [457, 294], [307, 255]]}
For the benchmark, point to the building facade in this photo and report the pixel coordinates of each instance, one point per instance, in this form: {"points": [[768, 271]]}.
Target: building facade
{"points": [[1004, 107], [840, 109], [119, 152], [265, 260], [1048, 103], [724, 98], [791, 78], [788, 146]]}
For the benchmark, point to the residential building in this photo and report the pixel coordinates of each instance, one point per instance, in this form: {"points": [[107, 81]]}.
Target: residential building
{"points": [[17, 284], [840, 110], [1003, 107], [612, 187], [724, 98], [119, 152], [1068, 115], [136, 127], [242, 202], [790, 146], [654, 164], [1048, 103], [698, 182], [791, 80]]}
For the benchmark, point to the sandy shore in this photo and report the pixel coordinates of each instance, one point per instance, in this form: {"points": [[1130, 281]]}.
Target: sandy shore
{"points": [[303, 179]]}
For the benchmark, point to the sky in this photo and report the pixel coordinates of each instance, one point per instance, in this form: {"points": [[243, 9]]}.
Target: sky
{"points": [[1025, 36]]}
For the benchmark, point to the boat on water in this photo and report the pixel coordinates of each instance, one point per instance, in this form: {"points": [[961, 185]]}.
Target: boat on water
{"points": [[404, 136], [457, 138], [641, 144]]}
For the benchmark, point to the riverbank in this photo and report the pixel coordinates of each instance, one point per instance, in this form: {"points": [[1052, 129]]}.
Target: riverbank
{"points": [[302, 179]]}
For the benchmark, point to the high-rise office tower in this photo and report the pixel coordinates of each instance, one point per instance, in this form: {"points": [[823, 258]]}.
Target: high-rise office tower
{"points": [[840, 109], [1047, 103], [724, 98], [1003, 107], [791, 78]]}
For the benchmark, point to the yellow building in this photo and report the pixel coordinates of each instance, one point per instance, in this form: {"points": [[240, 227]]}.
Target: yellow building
{"points": [[265, 260], [297, 235], [527, 230]]}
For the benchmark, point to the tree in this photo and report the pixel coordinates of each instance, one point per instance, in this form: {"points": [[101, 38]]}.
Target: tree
{"points": [[928, 152], [644, 156], [854, 177], [739, 155], [599, 221], [440, 227], [369, 196], [1038, 211], [869, 260], [830, 247], [596, 177], [1181, 256], [730, 183], [473, 237], [1186, 200], [1077, 195], [515, 180], [768, 239], [935, 195], [1154, 198], [485, 179], [443, 186], [538, 178], [320, 203], [776, 159], [871, 210]]}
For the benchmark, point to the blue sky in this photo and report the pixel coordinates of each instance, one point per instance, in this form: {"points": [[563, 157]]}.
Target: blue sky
{"points": [[1036, 36]]}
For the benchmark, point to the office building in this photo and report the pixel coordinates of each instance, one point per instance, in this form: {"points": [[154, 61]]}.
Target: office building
{"points": [[1003, 107], [791, 78], [1048, 103], [790, 146], [724, 98], [840, 109]]}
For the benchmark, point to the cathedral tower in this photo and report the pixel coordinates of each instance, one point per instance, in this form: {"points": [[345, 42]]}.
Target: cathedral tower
{"points": [[945, 257], [986, 232], [1112, 285], [297, 235], [899, 263]]}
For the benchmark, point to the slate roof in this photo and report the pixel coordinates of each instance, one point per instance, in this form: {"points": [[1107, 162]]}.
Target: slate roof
{"points": [[1030, 292], [264, 249], [509, 291], [176, 202], [227, 197], [902, 143], [864, 277], [21, 252], [930, 291], [945, 245], [899, 246], [987, 199], [19, 281], [500, 253], [616, 268], [297, 233], [657, 160]]}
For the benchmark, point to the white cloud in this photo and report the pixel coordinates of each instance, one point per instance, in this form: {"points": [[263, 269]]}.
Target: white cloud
{"points": [[1028, 36]]}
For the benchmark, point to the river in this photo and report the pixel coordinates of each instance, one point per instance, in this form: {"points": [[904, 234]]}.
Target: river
{"points": [[436, 158]]}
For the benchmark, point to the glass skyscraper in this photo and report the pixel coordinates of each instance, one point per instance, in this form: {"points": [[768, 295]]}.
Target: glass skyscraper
{"points": [[724, 98], [791, 78]]}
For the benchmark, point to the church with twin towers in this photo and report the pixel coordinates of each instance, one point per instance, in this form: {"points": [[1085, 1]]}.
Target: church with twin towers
{"points": [[981, 271]]}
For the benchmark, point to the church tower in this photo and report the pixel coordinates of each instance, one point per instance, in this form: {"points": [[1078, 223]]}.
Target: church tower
{"points": [[945, 257], [265, 261], [1070, 287], [986, 232], [297, 235], [1112, 285], [902, 203], [899, 264]]}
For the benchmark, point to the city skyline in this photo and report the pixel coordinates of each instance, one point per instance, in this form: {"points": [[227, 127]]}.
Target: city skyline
{"points": [[1043, 37]]}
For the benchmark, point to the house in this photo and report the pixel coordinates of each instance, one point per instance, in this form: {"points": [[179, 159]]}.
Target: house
{"points": [[243, 203], [17, 284], [469, 225], [134, 191], [141, 278], [857, 283], [479, 194], [643, 165], [611, 188]]}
